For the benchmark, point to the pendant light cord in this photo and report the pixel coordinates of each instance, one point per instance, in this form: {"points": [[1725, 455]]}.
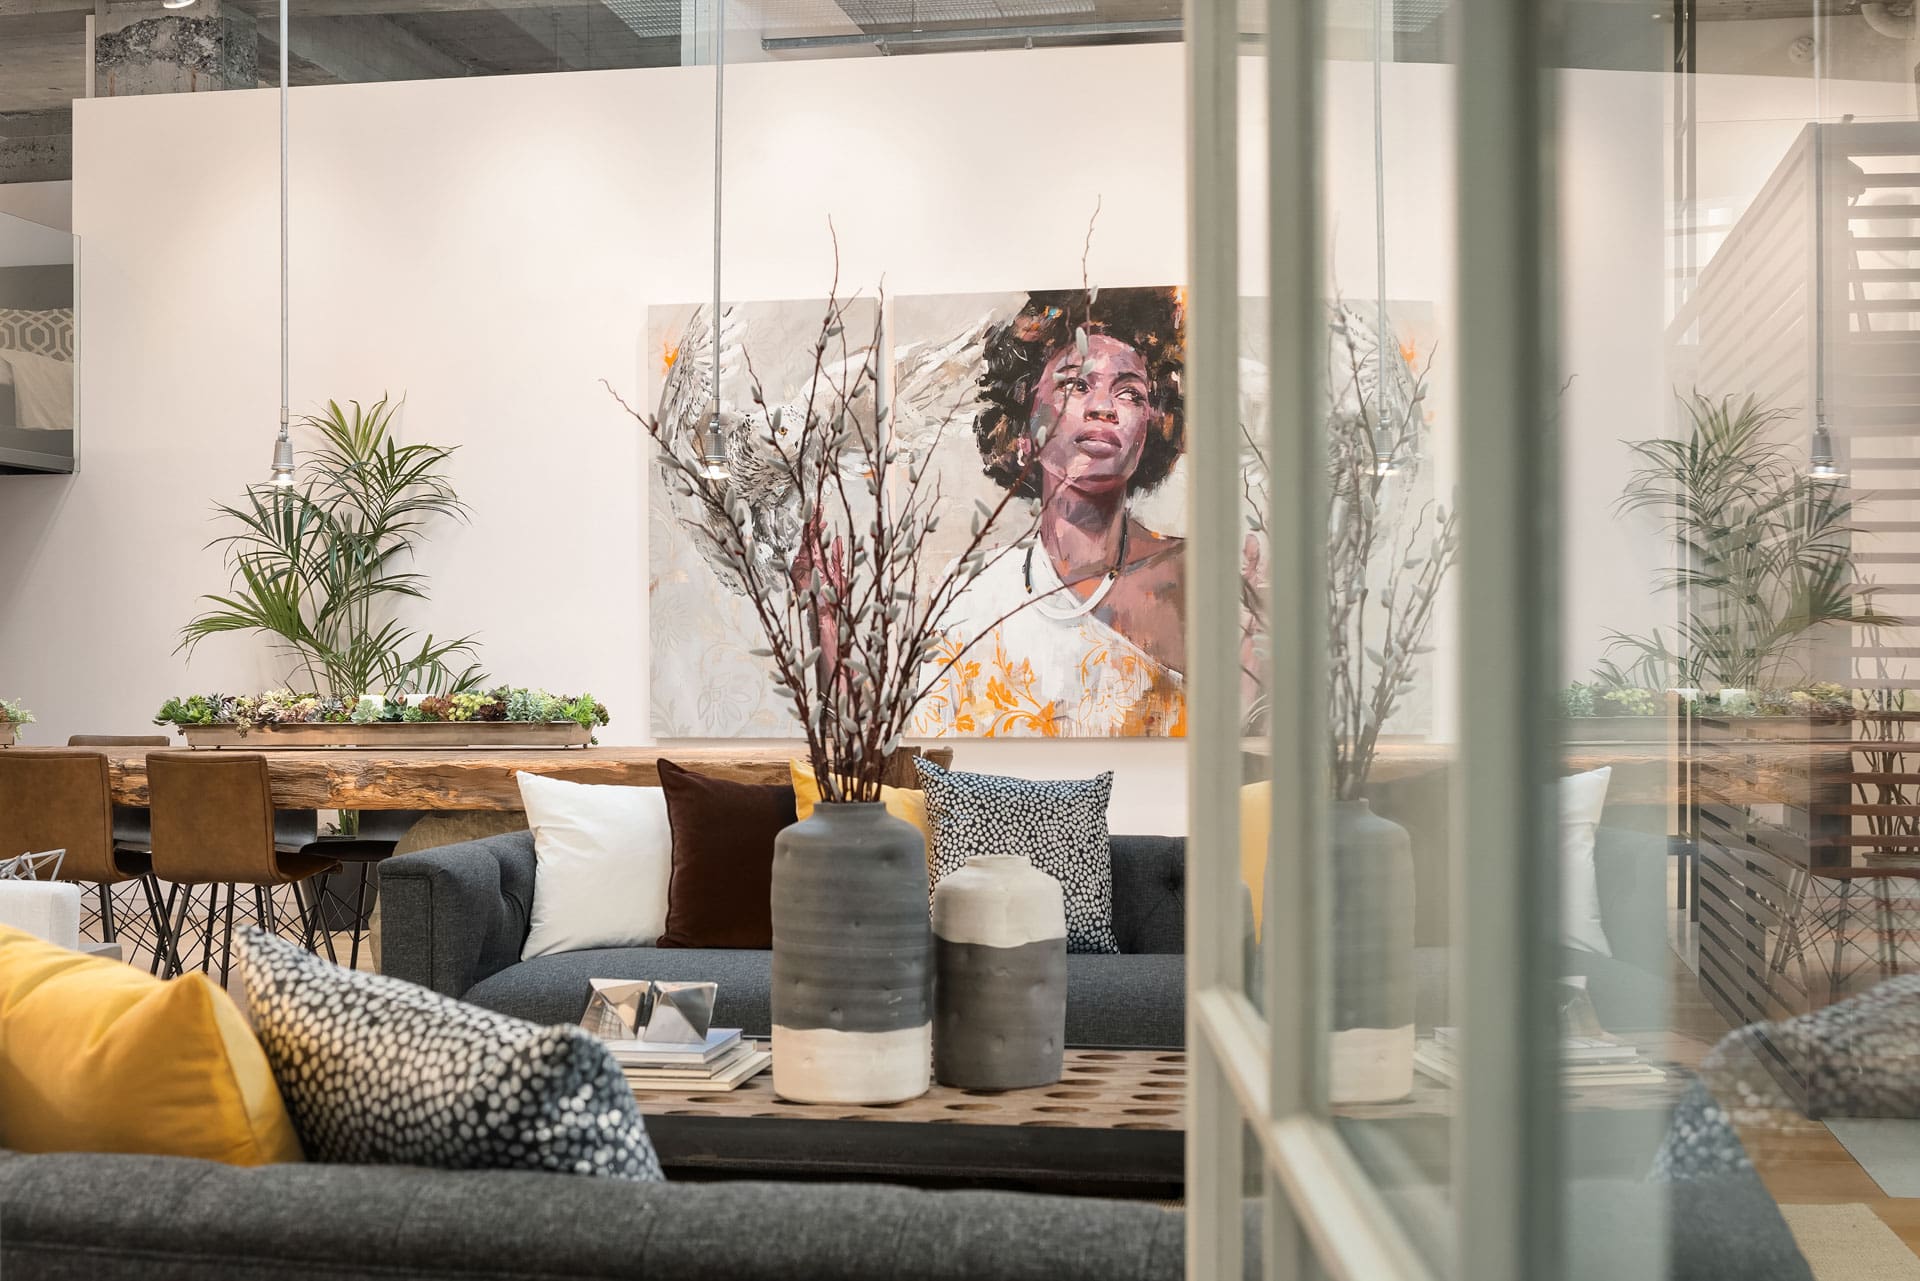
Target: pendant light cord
{"points": [[1380, 230], [285, 397], [719, 136]]}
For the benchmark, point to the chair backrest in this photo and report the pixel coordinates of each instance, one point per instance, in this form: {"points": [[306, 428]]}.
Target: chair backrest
{"points": [[118, 740], [212, 817], [58, 798]]}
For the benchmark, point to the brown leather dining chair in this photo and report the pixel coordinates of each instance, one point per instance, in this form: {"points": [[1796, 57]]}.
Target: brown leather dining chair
{"points": [[61, 800], [131, 830], [213, 825]]}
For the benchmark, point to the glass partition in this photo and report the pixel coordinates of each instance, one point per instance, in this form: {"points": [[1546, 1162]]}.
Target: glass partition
{"points": [[39, 348]]}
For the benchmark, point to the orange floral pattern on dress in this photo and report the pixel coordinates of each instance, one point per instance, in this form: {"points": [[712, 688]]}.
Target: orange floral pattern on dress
{"points": [[1122, 693]]}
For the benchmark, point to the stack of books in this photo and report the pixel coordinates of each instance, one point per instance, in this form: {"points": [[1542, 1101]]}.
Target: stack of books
{"points": [[722, 1062], [1585, 1060]]}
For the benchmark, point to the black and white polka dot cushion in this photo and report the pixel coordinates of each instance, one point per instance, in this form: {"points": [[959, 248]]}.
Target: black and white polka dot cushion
{"points": [[377, 1071], [1059, 827]]}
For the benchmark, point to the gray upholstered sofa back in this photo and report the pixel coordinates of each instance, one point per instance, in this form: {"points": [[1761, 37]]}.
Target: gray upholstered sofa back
{"points": [[457, 914]]}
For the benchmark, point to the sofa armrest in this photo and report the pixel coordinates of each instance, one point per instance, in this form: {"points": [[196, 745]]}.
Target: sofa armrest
{"points": [[456, 914]]}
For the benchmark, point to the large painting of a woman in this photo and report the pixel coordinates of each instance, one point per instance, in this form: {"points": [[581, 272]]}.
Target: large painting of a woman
{"points": [[1078, 413]]}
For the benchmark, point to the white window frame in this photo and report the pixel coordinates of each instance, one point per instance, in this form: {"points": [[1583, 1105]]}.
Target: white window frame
{"points": [[1322, 1214]]}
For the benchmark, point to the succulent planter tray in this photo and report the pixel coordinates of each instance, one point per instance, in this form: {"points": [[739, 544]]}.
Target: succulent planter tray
{"points": [[391, 735], [1616, 729]]}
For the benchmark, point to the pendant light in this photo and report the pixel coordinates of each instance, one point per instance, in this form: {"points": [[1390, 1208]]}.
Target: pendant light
{"points": [[282, 475], [1820, 454], [713, 441]]}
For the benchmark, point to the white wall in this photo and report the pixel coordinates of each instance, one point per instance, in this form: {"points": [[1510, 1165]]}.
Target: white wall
{"points": [[490, 247], [49, 203]]}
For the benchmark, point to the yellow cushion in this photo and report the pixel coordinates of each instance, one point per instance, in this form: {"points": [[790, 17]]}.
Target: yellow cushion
{"points": [[96, 1056], [1256, 820], [902, 802]]}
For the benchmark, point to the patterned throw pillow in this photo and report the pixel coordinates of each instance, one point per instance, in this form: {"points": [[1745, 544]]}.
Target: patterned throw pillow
{"points": [[1059, 827], [377, 1071]]}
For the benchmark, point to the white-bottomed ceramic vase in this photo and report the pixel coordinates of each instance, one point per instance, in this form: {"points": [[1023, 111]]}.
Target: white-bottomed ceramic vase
{"points": [[1000, 989], [1372, 1042], [852, 958]]}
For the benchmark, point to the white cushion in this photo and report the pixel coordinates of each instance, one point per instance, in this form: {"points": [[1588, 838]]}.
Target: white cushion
{"points": [[603, 856], [47, 910], [1582, 797]]}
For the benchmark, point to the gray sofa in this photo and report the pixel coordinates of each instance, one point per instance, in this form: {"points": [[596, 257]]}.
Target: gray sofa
{"points": [[454, 919], [142, 1218]]}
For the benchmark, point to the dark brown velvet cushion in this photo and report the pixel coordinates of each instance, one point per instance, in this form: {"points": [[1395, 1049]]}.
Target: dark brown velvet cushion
{"points": [[722, 858]]}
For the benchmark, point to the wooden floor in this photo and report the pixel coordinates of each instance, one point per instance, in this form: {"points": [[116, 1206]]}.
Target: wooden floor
{"points": [[1800, 1161]]}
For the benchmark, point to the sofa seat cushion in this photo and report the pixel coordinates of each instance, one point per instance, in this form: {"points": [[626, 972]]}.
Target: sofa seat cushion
{"points": [[1136, 1001], [554, 989], [1111, 1000]]}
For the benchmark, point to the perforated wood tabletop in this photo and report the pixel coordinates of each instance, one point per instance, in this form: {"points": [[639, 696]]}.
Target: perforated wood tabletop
{"points": [[1098, 1089], [1112, 1124]]}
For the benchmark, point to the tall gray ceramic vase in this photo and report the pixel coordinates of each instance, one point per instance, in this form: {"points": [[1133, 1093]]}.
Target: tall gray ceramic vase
{"points": [[1000, 1002], [1372, 1042], [852, 958]]}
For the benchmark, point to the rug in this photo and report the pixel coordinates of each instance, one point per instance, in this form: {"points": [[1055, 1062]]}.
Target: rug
{"points": [[1849, 1243], [1888, 1150]]}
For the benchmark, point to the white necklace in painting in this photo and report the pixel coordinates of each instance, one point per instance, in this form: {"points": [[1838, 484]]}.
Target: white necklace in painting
{"points": [[1092, 602]]}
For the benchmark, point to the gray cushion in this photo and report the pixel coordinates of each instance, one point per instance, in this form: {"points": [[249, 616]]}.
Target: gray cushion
{"points": [[1127, 1000], [554, 988], [1111, 1000], [136, 1218]]}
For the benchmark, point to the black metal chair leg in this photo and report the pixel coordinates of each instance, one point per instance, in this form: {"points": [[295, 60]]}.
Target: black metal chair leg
{"points": [[108, 932], [226, 940], [176, 963], [156, 916], [360, 909]]}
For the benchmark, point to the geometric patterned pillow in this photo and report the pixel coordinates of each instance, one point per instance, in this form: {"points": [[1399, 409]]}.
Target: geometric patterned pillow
{"points": [[378, 1071], [1060, 827]]}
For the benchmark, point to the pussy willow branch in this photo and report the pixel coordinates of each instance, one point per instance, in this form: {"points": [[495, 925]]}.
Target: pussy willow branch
{"points": [[848, 628]]}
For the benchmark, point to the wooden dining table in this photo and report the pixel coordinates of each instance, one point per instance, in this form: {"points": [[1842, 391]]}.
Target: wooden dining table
{"points": [[457, 779]]}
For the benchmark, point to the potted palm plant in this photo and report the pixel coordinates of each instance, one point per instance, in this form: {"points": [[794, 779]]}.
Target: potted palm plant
{"points": [[321, 569]]}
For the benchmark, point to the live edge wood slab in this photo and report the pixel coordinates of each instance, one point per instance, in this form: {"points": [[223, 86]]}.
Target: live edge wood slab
{"points": [[473, 778]]}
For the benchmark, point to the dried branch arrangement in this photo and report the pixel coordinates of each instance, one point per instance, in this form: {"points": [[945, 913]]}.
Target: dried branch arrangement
{"points": [[1377, 626], [853, 614], [1373, 451]]}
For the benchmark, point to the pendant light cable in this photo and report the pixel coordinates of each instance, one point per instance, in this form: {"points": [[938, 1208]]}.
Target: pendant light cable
{"points": [[1384, 461], [283, 444], [713, 449]]}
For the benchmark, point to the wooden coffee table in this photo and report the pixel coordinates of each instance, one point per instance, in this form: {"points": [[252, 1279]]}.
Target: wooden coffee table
{"points": [[1113, 1124]]}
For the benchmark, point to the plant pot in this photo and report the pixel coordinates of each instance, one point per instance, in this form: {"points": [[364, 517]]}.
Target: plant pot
{"points": [[391, 734], [9, 733], [852, 958], [1000, 995], [1372, 1042], [1616, 729]]}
